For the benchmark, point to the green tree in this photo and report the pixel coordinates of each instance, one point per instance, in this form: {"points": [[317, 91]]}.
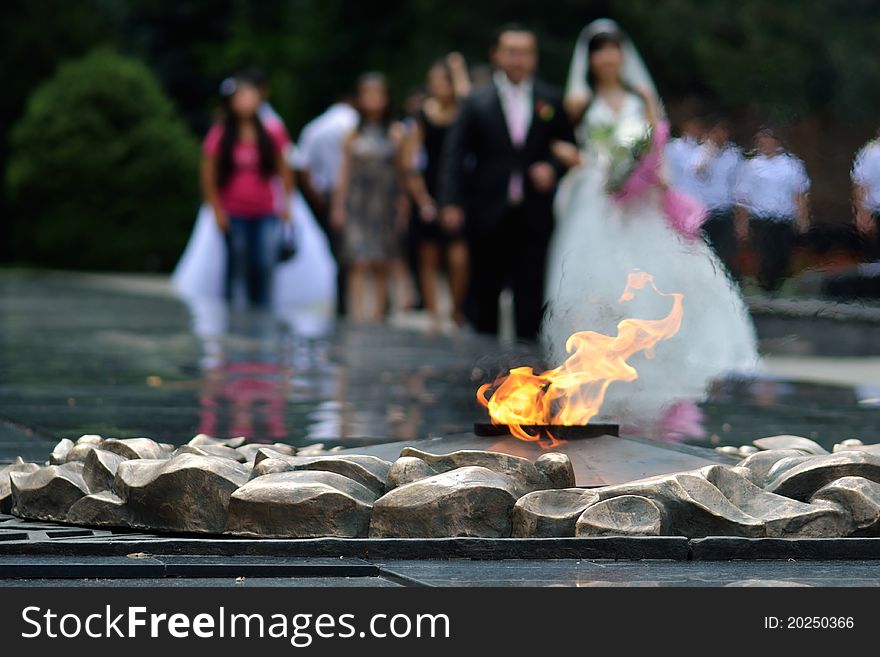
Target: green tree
{"points": [[102, 171]]}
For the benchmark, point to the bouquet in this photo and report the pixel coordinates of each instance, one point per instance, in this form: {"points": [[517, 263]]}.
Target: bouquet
{"points": [[628, 144], [636, 157]]}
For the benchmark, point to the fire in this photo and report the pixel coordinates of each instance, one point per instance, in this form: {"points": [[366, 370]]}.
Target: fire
{"points": [[573, 393]]}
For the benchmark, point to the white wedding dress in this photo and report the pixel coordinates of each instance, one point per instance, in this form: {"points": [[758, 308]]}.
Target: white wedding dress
{"points": [[597, 242], [304, 291]]}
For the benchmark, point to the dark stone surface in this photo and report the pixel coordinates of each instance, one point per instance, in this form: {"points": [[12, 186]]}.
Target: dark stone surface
{"points": [[466, 501], [18, 465], [759, 464], [79, 567], [303, 504], [188, 493], [524, 474], [859, 496], [693, 506], [119, 356], [722, 548], [602, 547], [369, 471], [210, 582], [47, 493], [136, 448], [103, 509], [99, 469], [805, 478], [550, 513], [625, 515], [782, 516]]}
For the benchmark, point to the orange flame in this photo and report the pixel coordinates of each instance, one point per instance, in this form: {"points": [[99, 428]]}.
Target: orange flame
{"points": [[572, 393]]}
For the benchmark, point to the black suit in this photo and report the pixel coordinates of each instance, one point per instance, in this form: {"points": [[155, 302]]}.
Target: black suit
{"points": [[508, 242]]}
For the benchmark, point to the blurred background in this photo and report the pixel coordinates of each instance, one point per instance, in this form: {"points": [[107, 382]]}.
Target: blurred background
{"points": [[135, 83], [105, 104]]}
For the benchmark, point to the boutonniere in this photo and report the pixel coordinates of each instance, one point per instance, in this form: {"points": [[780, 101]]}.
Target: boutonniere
{"points": [[545, 111]]}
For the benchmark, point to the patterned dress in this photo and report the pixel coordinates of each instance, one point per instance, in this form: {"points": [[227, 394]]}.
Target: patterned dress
{"points": [[371, 233]]}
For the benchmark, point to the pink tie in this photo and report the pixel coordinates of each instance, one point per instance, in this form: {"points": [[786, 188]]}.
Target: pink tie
{"points": [[516, 124]]}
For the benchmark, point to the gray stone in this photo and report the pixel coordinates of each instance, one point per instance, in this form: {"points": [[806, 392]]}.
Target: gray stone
{"points": [[302, 504], [221, 451], [804, 479], [557, 469], [849, 442], [188, 493], [693, 506], [102, 509], [79, 452], [466, 501], [760, 463], [59, 453], [406, 470], [784, 465], [136, 448], [202, 440], [249, 451], [524, 474], [790, 442], [47, 493], [89, 439], [871, 449], [782, 516], [99, 469], [626, 515], [311, 450], [6, 487], [369, 471], [550, 513], [859, 496]]}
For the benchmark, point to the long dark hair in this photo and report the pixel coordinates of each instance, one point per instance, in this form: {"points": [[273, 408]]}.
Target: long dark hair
{"points": [[387, 117], [265, 147]]}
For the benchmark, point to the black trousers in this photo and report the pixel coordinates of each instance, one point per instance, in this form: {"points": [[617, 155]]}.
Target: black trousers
{"points": [[774, 240], [514, 255], [335, 241], [720, 234]]}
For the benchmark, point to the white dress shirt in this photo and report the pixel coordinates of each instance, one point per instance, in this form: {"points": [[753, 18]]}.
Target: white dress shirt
{"points": [[713, 171], [768, 186], [516, 102], [320, 145], [866, 173], [678, 154]]}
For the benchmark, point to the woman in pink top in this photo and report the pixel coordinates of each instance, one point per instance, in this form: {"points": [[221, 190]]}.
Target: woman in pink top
{"points": [[241, 157]]}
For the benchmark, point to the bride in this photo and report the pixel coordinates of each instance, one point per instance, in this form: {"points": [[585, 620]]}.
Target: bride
{"points": [[598, 240]]}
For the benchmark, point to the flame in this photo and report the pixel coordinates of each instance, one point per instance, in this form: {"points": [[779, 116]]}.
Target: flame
{"points": [[572, 393]]}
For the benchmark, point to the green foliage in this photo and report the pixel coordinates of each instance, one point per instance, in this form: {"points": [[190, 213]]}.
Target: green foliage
{"points": [[102, 171]]}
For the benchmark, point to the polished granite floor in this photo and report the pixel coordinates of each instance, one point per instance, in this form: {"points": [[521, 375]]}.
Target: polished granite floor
{"points": [[458, 573], [114, 356]]}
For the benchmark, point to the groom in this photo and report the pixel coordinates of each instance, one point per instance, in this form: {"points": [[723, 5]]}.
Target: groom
{"points": [[498, 178]]}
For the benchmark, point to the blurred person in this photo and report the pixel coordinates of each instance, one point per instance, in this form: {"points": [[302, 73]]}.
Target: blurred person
{"points": [[680, 152], [480, 75], [257, 77], [369, 203], [447, 83], [773, 208], [498, 177], [866, 195], [305, 280], [241, 156], [417, 160], [318, 161], [713, 168], [606, 231]]}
